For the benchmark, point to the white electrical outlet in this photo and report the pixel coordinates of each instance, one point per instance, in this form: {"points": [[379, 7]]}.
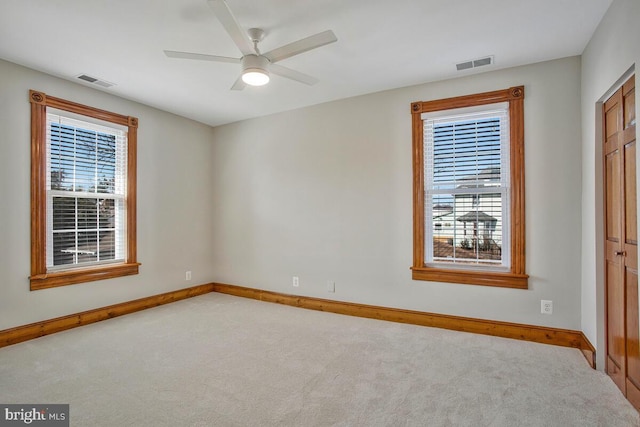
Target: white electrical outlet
{"points": [[331, 286], [296, 281], [546, 306], [187, 275]]}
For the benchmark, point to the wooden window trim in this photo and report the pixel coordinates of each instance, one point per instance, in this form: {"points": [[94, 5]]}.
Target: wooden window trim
{"points": [[516, 276], [40, 278]]}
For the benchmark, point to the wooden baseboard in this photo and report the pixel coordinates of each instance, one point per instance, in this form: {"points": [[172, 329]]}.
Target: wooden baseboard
{"points": [[539, 334], [588, 350], [39, 329]]}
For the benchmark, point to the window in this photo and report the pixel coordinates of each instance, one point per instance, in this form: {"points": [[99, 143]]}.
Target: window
{"points": [[83, 193], [466, 154], [469, 189]]}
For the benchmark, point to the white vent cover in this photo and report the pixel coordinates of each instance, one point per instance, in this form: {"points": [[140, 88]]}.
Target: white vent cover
{"points": [[95, 80], [474, 63]]}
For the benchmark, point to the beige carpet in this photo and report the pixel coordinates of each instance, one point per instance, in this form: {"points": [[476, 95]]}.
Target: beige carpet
{"points": [[218, 360]]}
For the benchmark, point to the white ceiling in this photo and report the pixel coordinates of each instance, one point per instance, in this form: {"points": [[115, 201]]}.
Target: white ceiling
{"points": [[381, 45]]}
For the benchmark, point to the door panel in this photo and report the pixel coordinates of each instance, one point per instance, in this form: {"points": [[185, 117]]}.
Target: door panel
{"points": [[621, 242], [612, 191], [631, 246], [611, 118], [629, 93], [616, 346], [631, 226], [615, 320], [632, 350]]}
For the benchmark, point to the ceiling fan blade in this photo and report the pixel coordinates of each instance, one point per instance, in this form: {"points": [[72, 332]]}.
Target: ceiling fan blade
{"points": [[229, 22], [300, 46], [239, 84], [200, 56], [293, 74]]}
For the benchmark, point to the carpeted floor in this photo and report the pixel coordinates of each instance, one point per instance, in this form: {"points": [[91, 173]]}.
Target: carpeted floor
{"points": [[218, 360]]}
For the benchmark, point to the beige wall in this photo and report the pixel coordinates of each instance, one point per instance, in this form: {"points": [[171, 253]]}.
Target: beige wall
{"points": [[324, 193], [174, 203], [611, 53]]}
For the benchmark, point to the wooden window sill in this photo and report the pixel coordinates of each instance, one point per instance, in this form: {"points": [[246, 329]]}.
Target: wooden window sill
{"points": [[466, 277], [81, 275]]}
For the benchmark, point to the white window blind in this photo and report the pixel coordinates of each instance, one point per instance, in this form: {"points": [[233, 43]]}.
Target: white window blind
{"points": [[86, 193], [466, 155]]}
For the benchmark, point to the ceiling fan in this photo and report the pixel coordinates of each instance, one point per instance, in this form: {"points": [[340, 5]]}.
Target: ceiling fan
{"points": [[257, 66]]}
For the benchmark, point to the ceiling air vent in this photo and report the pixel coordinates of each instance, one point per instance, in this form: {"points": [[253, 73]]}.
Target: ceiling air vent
{"points": [[94, 80], [464, 65], [474, 63]]}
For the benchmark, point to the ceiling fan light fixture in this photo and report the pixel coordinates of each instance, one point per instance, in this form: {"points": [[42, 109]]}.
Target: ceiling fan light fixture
{"points": [[255, 77], [255, 70]]}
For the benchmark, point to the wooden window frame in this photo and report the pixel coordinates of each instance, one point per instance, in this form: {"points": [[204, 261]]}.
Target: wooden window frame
{"points": [[516, 276], [41, 278]]}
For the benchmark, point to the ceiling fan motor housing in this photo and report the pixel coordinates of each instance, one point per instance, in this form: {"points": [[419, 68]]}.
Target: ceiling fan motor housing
{"points": [[250, 62]]}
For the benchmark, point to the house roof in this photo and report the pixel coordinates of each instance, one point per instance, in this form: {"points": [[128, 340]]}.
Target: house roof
{"points": [[476, 216], [487, 174]]}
